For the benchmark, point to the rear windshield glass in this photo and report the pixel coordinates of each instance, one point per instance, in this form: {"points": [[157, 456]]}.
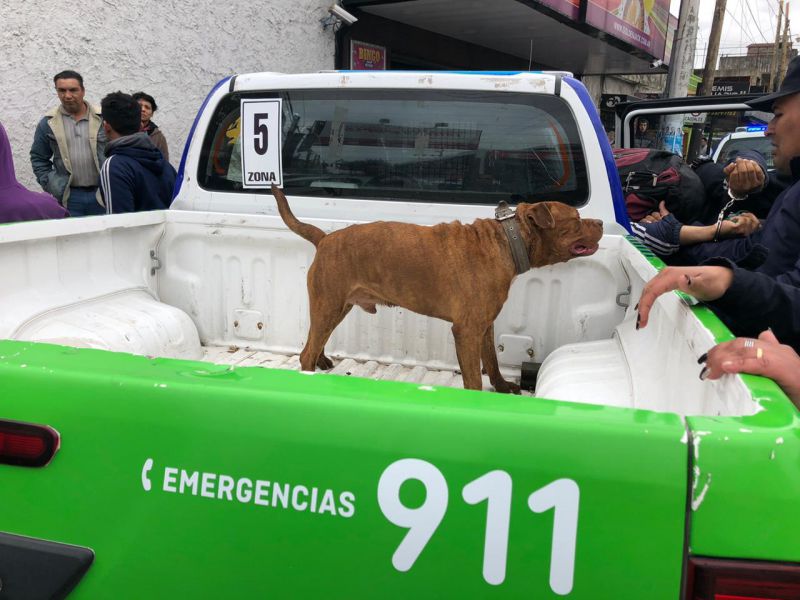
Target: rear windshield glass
{"points": [[418, 145], [735, 145]]}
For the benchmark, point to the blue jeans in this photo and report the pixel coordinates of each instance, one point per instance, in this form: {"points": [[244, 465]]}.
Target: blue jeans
{"points": [[83, 203]]}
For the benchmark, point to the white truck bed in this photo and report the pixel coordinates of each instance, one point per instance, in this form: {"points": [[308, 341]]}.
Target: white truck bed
{"points": [[370, 369], [230, 289]]}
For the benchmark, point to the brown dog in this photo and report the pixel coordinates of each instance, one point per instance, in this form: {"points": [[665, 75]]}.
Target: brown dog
{"points": [[451, 271]]}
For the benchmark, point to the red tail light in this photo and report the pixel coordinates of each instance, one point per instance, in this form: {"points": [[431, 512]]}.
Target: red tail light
{"points": [[27, 445], [715, 579]]}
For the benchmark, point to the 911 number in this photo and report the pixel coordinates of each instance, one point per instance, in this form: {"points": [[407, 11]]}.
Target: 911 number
{"points": [[495, 489]]}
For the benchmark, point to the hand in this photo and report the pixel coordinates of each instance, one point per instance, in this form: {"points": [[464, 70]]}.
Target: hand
{"points": [[765, 356], [656, 215], [744, 176], [704, 283], [740, 225]]}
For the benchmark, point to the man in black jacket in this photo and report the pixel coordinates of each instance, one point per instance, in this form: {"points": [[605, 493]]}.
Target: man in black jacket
{"points": [[750, 302], [135, 176]]}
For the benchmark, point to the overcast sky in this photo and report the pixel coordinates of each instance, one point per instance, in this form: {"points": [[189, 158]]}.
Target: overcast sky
{"points": [[746, 22]]}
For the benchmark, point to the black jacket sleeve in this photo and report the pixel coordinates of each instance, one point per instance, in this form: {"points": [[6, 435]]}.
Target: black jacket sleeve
{"points": [[756, 301], [713, 178]]}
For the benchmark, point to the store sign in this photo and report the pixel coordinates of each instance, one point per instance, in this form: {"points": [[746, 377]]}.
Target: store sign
{"points": [[609, 101], [641, 24], [725, 88], [367, 57], [694, 118]]}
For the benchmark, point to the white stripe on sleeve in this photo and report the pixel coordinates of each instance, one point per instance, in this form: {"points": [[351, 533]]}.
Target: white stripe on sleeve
{"points": [[105, 183]]}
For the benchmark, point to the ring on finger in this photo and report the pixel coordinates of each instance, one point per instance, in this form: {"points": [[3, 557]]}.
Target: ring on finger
{"points": [[759, 353], [749, 343]]}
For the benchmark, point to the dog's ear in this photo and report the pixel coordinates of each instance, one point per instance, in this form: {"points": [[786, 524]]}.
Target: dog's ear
{"points": [[540, 214]]}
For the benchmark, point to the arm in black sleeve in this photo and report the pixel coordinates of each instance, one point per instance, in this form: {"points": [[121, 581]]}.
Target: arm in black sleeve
{"points": [[756, 301]]}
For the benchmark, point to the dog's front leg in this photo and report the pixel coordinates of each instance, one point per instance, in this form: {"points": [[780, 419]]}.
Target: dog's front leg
{"points": [[468, 350], [489, 356]]}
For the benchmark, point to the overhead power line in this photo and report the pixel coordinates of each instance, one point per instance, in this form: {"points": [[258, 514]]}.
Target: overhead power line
{"points": [[755, 21], [742, 28]]}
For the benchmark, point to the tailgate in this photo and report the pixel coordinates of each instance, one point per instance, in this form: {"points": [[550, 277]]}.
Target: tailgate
{"points": [[193, 480]]}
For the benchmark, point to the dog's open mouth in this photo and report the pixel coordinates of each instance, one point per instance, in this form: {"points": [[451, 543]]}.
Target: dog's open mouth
{"points": [[583, 250]]}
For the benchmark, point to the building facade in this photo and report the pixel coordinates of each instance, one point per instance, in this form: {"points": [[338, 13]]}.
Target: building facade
{"points": [[176, 51]]}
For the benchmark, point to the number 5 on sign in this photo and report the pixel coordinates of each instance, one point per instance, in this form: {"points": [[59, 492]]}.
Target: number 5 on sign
{"points": [[261, 143]]}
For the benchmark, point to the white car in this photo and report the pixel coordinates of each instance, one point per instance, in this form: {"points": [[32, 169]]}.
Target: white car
{"points": [[744, 140]]}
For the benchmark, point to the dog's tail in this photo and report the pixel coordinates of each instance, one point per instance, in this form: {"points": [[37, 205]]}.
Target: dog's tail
{"points": [[310, 232]]}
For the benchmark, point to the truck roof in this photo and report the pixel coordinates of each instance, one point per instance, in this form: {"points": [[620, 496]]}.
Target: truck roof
{"points": [[540, 82]]}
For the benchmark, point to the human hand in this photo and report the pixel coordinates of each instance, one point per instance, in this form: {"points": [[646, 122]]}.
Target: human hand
{"points": [[740, 225], [704, 283], [656, 215], [765, 356], [744, 176]]}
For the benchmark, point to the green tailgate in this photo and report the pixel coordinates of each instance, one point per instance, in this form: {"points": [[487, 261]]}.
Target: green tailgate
{"points": [[416, 491], [745, 470], [746, 480]]}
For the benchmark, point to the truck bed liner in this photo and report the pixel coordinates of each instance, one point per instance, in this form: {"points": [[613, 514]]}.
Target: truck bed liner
{"points": [[371, 369]]}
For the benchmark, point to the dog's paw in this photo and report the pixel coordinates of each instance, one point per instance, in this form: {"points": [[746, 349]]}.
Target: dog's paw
{"points": [[506, 387], [324, 363]]}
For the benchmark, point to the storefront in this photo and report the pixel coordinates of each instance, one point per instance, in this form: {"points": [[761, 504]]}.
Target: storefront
{"points": [[585, 37]]}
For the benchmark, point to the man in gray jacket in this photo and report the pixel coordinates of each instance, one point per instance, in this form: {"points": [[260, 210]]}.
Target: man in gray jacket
{"points": [[69, 147]]}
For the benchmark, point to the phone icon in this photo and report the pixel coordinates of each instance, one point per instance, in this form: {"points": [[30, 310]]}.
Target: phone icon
{"points": [[148, 465]]}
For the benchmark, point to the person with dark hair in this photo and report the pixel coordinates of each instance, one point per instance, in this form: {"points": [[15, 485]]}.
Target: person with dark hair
{"points": [[17, 203], [149, 106], [642, 137], [68, 148], [135, 176]]}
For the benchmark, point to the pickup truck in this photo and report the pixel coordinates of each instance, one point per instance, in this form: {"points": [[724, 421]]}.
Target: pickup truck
{"points": [[157, 439]]}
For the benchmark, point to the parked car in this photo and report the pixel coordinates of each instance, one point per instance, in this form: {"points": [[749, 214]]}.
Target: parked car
{"points": [[748, 139]]}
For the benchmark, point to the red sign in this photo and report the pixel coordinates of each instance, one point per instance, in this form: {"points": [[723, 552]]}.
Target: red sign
{"points": [[367, 57], [641, 23]]}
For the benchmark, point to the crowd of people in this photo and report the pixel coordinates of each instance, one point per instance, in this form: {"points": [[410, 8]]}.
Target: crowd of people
{"points": [[90, 160]]}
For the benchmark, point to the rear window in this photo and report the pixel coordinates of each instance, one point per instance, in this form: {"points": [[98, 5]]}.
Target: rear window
{"points": [[419, 145], [735, 145]]}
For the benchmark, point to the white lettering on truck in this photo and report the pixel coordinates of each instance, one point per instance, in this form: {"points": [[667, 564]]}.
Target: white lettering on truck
{"points": [[273, 494], [494, 488]]}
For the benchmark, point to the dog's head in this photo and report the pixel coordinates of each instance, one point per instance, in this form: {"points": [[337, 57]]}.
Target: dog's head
{"points": [[557, 233]]}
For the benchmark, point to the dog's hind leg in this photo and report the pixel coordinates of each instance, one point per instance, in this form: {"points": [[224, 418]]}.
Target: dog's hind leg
{"points": [[468, 350], [324, 319], [489, 357], [323, 362]]}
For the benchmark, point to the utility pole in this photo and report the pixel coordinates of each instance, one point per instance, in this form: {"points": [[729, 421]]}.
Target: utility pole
{"points": [[681, 63], [706, 86], [786, 47], [704, 89], [773, 66], [683, 48]]}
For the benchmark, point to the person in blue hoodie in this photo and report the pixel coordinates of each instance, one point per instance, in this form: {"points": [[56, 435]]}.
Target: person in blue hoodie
{"points": [[134, 176]]}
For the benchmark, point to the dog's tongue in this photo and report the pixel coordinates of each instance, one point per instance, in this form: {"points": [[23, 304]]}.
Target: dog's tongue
{"points": [[582, 250]]}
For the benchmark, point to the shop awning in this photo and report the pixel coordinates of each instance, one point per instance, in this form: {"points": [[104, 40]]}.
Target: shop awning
{"points": [[522, 28]]}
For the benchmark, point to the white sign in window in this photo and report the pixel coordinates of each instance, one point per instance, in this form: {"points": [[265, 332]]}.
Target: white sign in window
{"points": [[261, 143]]}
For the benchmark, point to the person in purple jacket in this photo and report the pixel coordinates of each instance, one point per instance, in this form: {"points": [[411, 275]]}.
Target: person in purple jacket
{"points": [[18, 203]]}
